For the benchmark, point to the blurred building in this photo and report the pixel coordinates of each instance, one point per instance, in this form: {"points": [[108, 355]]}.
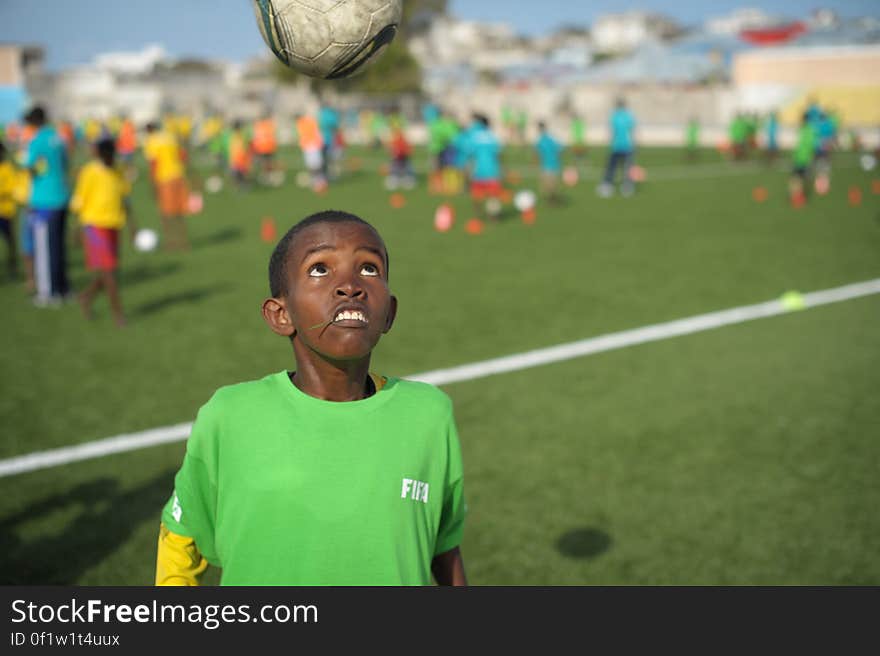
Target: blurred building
{"points": [[845, 78], [739, 20], [618, 33], [18, 64]]}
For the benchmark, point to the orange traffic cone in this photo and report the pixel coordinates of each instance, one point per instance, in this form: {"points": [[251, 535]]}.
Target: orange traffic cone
{"points": [[268, 232], [397, 200], [759, 194], [474, 227], [875, 186], [855, 196], [529, 216]]}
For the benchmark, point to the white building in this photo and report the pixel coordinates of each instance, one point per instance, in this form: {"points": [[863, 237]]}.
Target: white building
{"points": [[618, 33], [131, 63], [741, 19], [450, 41]]}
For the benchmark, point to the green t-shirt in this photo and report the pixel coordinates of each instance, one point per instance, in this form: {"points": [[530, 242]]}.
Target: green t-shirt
{"points": [[578, 131], [692, 134], [281, 488], [805, 147]]}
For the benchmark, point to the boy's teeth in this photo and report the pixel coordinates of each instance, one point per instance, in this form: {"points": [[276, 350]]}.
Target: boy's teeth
{"points": [[346, 315]]}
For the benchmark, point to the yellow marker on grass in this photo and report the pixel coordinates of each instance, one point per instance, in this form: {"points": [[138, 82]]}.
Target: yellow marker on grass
{"points": [[792, 300]]}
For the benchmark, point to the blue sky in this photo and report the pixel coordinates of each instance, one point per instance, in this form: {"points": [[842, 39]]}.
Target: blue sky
{"points": [[74, 31]]}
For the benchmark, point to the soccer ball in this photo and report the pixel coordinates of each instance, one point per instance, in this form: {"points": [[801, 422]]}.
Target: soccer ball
{"points": [[524, 200], [145, 240], [328, 38]]}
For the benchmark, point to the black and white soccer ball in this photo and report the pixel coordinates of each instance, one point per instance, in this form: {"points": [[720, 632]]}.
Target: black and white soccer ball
{"points": [[328, 38]]}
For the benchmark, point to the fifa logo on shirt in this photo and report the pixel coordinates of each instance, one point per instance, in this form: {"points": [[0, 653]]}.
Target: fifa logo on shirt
{"points": [[176, 510], [416, 490]]}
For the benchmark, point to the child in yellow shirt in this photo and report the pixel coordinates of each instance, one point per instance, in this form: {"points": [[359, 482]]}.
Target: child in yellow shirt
{"points": [[8, 208], [101, 201]]}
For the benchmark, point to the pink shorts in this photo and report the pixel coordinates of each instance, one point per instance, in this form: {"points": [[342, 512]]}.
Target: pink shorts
{"points": [[102, 248]]}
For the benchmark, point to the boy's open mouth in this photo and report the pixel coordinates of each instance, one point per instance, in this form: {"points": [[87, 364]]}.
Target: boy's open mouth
{"points": [[351, 318]]}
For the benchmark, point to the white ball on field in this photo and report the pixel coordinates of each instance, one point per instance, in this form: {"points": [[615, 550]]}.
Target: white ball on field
{"points": [[327, 38], [868, 162], [146, 240], [214, 184], [524, 200]]}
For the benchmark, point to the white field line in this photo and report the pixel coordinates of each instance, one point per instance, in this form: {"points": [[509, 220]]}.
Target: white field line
{"points": [[538, 357]]}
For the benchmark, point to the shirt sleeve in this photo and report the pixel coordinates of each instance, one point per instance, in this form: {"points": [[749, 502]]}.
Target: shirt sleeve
{"points": [[451, 527], [33, 153], [192, 509], [78, 201], [178, 560]]}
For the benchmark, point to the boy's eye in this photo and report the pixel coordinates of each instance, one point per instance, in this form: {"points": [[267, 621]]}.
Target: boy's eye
{"points": [[318, 270], [369, 270]]}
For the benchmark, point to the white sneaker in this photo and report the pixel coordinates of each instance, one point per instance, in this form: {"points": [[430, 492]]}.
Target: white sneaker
{"points": [[605, 190]]}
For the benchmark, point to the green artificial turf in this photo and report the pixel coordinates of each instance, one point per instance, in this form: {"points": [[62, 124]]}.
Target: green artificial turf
{"points": [[742, 455]]}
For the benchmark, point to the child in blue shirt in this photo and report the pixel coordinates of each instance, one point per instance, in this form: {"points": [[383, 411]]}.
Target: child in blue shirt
{"points": [[550, 157]]}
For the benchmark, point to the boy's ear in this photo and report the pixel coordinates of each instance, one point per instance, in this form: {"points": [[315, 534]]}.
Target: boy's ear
{"points": [[392, 312], [278, 318]]}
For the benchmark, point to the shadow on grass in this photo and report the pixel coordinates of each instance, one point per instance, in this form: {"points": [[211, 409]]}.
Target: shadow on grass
{"points": [[583, 543], [146, 272], [100, 518], [219, 237], [188, 296]]}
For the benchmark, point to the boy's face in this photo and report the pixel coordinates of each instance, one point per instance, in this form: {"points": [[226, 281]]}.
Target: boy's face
{"points": [[338, 303]]}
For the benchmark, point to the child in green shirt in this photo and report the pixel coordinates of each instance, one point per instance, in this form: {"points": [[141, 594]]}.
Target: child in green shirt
{"points": [[327, 475]]}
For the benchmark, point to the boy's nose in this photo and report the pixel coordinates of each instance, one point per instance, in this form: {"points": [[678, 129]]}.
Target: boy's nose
{"points": [[349, 288]]}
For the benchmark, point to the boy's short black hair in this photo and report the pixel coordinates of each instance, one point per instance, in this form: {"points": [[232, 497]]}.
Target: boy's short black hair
{"points": [[106, 151], [542, 125], [278, 260], [2, 151], [36, 116]]}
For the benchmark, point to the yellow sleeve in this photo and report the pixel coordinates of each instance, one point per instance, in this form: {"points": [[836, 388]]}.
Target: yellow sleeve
{"points": [[178, 561], [150, 148], [80, 191], [22, 187]]}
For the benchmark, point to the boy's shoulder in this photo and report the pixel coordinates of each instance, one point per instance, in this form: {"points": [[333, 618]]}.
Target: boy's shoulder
{"points": [[245, 392], [423, 394]]}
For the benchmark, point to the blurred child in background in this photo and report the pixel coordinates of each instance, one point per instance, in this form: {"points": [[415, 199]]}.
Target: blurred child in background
{"points": [[692, 138], [802, 160], [311, 144], [8, 209], [168, 173], [483, 155], [240, 155], [100, 199], [578, 138], [622, 125], [401, 152], [550, 156]]}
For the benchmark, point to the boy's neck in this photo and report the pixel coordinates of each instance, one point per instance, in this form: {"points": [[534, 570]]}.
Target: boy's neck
{"points": [[332, 382]]}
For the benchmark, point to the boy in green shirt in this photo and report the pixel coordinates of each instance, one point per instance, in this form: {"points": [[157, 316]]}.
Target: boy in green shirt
{"points": [[802, 160], [328, 475]]}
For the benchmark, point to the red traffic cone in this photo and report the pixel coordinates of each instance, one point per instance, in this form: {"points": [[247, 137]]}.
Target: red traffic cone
{"points": [[268, 232], [855, 196], [474, 227]]}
